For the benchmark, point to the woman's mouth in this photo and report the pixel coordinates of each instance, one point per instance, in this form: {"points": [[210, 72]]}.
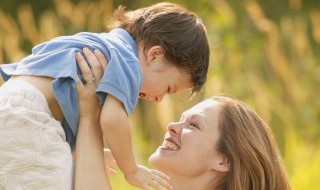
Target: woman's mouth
{"points": [[170, 146]]}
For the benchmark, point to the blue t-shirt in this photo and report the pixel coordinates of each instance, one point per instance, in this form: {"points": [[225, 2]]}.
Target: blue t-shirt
{"points": [[56, 59]]}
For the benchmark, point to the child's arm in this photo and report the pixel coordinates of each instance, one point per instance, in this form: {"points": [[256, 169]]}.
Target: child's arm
{"points": [[116, 129]]}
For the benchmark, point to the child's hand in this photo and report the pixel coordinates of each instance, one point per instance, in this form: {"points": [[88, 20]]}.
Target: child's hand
{"points": [[145, 178], [109, 161]]}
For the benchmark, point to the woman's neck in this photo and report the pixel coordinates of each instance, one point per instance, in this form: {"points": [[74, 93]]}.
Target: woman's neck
{"points": [[202, 182]]}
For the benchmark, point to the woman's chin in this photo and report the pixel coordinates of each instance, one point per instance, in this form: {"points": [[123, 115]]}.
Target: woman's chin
{"points": [[162, 157], [157, 158], [158, 162], [154, 158]]}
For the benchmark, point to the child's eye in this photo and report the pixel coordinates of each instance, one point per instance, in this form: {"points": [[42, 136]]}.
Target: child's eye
{"points": [[169, 90]]}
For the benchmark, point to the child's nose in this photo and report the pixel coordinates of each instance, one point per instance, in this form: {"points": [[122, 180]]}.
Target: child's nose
{"points": [[159, 98]]}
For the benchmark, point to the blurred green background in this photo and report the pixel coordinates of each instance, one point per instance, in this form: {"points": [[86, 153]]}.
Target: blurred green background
{"points": [[266, 53]]}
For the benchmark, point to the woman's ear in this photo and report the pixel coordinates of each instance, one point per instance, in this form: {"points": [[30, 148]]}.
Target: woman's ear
{"points": [[154, 52], [221, 164]]}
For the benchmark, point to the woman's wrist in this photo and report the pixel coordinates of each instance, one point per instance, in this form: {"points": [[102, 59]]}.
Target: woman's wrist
{"points": [[90, 121]]}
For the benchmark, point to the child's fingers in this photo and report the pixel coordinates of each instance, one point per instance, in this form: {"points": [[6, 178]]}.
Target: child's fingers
{"points": [[114, 163], [101, 58], [161, 178], [160, 174], [160, 182], [111, 171], [156, 185], [110, 163]]}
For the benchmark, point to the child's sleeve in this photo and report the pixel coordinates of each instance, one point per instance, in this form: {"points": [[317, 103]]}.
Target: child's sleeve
{"points": [[122, 79], [56, 58], [6, 69]]}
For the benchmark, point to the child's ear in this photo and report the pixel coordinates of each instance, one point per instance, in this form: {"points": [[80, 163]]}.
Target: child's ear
{"points": [[222, 164], [154, 52]]}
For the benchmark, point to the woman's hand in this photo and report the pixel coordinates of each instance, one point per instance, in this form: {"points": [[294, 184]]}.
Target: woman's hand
{"points": [[88, 101]]}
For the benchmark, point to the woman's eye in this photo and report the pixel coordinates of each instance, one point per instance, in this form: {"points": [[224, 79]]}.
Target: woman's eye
{"points": [[194, 125]]}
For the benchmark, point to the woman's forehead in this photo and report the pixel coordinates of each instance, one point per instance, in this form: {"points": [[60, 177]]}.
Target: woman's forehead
{"points": [[207, 110], [201, 107]]}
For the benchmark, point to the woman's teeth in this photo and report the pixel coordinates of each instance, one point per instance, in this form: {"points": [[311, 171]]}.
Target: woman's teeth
{"points": [[170, 145]]}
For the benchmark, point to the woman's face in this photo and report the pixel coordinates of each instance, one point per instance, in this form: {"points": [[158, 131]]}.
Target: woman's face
{"points": [[189, 145]]}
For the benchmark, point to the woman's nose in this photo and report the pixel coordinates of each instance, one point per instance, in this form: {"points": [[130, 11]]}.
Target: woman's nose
{"points": [[175, 127]]}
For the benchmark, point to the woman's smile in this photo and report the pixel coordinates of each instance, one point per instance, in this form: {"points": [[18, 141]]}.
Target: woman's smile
{"points": [[170, 144]]}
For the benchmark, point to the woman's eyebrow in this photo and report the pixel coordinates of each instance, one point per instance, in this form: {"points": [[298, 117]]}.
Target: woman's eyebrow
{"points": [[199, 117], [196, 116]]}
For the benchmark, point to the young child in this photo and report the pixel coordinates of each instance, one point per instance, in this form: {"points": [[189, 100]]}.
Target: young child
{"points": [[153, 51]]}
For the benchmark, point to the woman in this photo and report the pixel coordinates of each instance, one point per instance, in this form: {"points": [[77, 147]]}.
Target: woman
{"points": [[219, 143]]}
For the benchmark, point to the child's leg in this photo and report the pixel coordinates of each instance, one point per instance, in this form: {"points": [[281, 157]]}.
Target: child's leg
{"points": [[33, 151]]}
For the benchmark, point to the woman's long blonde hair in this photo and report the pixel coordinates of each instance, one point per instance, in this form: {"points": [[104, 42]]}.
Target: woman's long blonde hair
{"points": [[249, 144]]}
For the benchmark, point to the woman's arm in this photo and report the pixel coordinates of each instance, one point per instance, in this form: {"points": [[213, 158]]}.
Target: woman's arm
{"points": [[90, 170]]}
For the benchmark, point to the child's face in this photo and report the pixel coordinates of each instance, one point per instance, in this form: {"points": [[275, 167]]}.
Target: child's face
{"points": [[161, 78]]}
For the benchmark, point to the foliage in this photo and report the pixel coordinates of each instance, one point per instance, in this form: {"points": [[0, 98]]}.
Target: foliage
{"points": [[265, 53]]}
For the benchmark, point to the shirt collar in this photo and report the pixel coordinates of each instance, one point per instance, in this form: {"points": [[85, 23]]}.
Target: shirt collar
{"points": [[125, 36]]}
